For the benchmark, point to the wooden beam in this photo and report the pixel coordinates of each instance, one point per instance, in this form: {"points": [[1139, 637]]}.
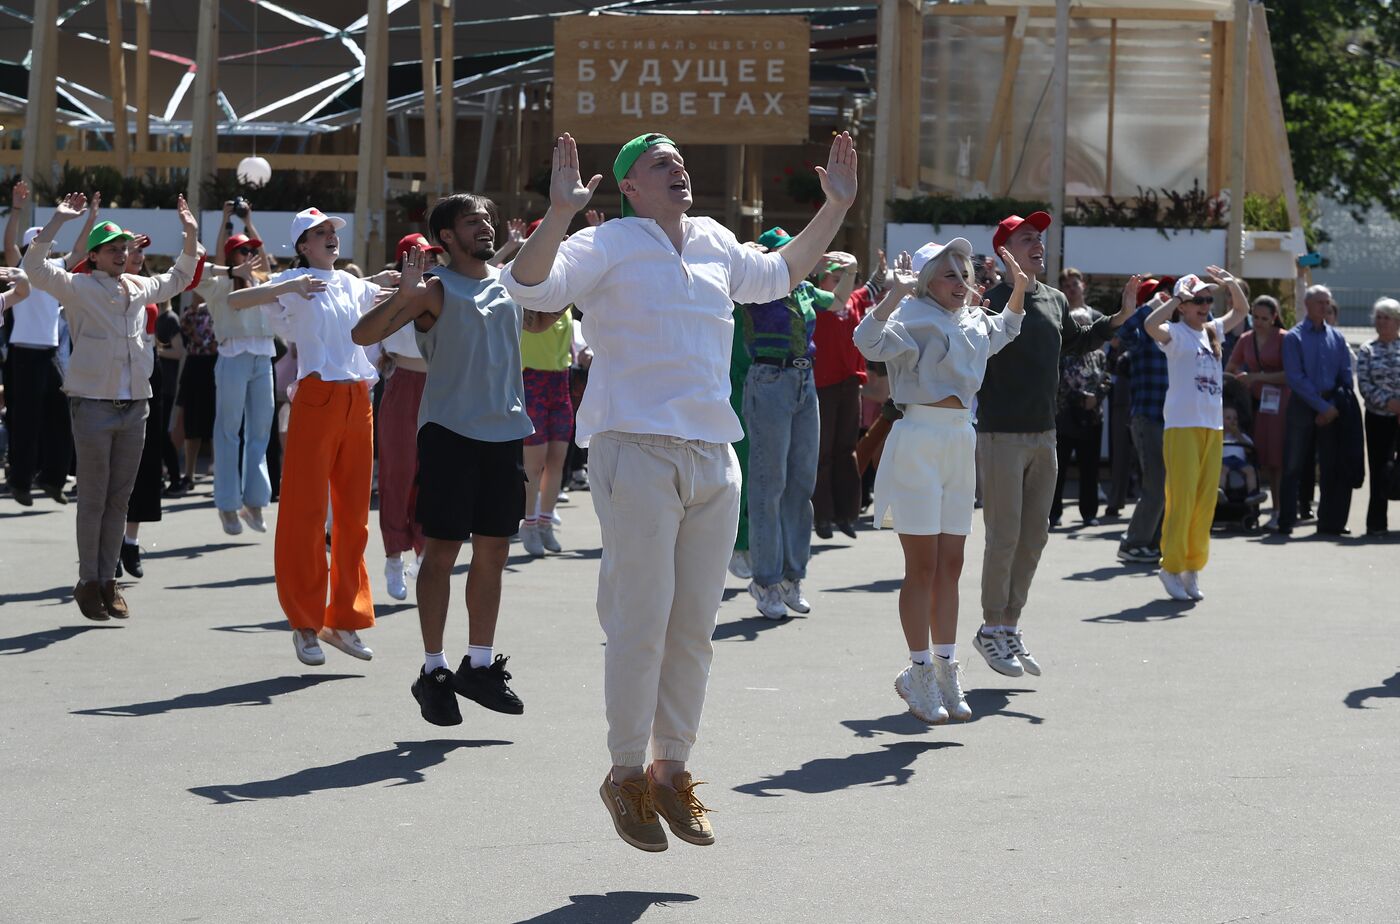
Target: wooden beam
{"points": [[911, 69], [1112, 106], [1218, 141], [486, 141], [886, 94], [447, 144], [166, 160], [143, 76], [40, 113], [1276, 133], [116, 75], [1048, 12], [753, 180], [204, 138], [427, 47], [733, 184], [1059, 140], [1001, 109], [1239, 81], [370, 161]]}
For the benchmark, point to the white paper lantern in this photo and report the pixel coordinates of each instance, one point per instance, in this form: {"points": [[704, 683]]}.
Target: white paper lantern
{"points": [[255, 171]]}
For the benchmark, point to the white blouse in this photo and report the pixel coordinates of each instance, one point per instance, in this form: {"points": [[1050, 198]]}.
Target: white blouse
{"points": [[320, 326], [932, 353]]}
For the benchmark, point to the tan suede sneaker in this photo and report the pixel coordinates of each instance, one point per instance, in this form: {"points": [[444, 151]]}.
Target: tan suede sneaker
{"points": [[633, 813], [684, 813], [114, 602], [88, 596]]}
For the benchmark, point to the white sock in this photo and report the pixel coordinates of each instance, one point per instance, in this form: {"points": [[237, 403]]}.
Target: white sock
{"points": [[432, 660], [921, 657], [479, 655], [1005, 630], [989, 631], [127, 540], [946, 652]]}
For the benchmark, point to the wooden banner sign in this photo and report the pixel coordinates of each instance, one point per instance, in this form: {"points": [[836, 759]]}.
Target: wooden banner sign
{"points": [[698, 79]]}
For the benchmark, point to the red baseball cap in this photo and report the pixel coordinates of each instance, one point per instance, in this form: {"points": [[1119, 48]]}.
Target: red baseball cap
{"points": [[240, 240], [530, 228], [1038, 220], [409, 241]]}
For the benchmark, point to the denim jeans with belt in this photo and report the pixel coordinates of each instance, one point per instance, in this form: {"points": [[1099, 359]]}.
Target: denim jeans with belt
{"points": [[780, 411], [243, 396]]}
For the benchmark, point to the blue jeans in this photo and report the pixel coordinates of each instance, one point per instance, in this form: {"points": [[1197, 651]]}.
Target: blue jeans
{"points": [[243, 392], [780, 411]]}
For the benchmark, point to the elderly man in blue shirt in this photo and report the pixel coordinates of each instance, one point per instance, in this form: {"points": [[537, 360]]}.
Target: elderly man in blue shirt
{"points": [[1317, 362]]}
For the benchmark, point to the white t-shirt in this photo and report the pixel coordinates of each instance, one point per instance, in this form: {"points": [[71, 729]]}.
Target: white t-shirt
{"points": [[1195, 380], [36, 318], [320, 326]]}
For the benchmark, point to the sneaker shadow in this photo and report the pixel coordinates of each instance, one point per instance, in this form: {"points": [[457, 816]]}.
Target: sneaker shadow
{"points": [[36, 641], [747, 629], [610, 908], [388, 609], [246, 628], [983, 703], [194, 551], [1152, 611], [401, 764], [1389, 689], [1109, 572], [882, 586], [256, 693], [54, 595], [251, 581], [889, 766]]}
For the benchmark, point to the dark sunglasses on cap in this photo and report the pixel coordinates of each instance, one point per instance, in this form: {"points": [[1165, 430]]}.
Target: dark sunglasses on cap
{"points": [[1200, 300]]}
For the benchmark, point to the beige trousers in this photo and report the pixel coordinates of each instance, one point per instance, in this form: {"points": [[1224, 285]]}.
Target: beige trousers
{"points": [[669, 510], [1018, 473]]}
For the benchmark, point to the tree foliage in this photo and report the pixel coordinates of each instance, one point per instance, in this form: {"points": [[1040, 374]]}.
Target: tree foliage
{"points": [[1338, 67]]}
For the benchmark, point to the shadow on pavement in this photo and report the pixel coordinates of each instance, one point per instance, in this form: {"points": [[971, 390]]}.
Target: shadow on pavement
{"points": [[192, 552], [256, 693], [235, 582], [1152, 611], [18, 514], [34, 641], [275, 625], [611, 908], [404, 763], [889, 766], [984, 704], [1389, 689], [748, 629], [1109, 572], [190, 503], [388, 609], [53, 595], [882, 586]]}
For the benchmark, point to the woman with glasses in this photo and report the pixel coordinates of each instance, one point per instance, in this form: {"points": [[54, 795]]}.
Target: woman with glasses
{"points": [[1193, 416], [1257, 362]]}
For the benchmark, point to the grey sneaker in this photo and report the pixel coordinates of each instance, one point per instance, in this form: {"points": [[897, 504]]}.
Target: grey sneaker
{"points": [[254, 518], [530, 540], [917, 687], [1017, 646], [228, 519], [739, 566], [791, 593], [770, 600], [945, 677], [546, 533], [997, 655], [307, 648]]}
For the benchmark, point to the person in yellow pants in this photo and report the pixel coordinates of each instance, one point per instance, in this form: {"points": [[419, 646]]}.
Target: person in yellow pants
{"points": [[1194, 421]]}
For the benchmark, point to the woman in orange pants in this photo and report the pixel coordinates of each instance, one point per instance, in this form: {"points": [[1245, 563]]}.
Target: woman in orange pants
{"points": [[330, 442]]}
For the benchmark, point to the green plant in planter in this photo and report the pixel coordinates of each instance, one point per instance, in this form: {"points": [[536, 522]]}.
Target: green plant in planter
{"points": [[945, 210], [1270, 213]]}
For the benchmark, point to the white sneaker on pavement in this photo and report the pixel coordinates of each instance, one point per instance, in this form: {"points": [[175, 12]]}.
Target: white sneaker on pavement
{"points": [[530, 540], [254, 518], [916, 686], [945, 677], [1172, 582], [410, 569], [739, 565], [348, 641], [1190, 583], [997, 654], [791, 593], [1017, 646], [307, 648], [393, 577], [546, 533], [228, 519], [770, 601]]}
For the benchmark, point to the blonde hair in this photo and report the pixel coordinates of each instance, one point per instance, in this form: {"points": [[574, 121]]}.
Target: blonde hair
{"points": [[948, 259]]}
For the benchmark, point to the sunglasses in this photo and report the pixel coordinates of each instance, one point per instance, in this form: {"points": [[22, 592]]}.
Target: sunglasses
{"points": [[1200, 300], [245, 251]]}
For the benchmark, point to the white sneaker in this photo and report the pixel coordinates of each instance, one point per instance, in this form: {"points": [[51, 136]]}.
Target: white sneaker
{"points": [[228, 519], [410, 569], [254, 518], [393, 577], [348, 641], [916, 686], [770, 601], [1172, 582], [791, 592], [1017, 646], [546, 533], [945, 677], [563, 497], [307, 648], [530, 540], [1190, 583], [997, 654], [739, 566]]}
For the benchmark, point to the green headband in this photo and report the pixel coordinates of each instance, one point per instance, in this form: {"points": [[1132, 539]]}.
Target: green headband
{"points": [[628, 156]]}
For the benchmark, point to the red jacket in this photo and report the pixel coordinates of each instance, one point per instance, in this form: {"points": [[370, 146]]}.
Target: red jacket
{"points": [[837, 358]]}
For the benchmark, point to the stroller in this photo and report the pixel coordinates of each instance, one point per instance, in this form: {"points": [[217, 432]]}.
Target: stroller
{"points": [[1236, 507]]}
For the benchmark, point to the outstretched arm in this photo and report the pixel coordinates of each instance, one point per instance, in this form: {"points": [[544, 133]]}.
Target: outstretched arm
{"points": [[409, 301], [838, 181], [1155, 325], [19, 205]]}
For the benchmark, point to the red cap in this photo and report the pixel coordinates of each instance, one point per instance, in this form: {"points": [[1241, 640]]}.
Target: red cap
{"points": [[409, 241], [1146, 289], [530, 228], [240, 240], [1038, 220]]}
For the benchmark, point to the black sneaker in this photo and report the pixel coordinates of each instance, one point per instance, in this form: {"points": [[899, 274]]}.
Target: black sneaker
{"points": [[823, 529], [55, 492], [487, 686], [23, 496], [1138, 553], [435, 698], [131, 560]]}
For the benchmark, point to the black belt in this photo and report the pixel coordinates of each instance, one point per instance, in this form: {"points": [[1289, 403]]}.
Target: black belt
{"points": [[118, 403], [784, 362]]}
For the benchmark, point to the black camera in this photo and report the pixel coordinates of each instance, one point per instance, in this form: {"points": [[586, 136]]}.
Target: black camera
{"points": [[240, 207]]}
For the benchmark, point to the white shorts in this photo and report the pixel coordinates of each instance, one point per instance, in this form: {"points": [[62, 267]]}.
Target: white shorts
{"points": [[927, 477]]}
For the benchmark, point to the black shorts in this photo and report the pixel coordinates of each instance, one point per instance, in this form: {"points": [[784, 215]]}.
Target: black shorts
{"points": [[468, 487]]}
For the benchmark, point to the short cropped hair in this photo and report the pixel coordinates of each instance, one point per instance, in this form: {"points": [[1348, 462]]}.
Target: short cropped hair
{"points": [[448, 209]]}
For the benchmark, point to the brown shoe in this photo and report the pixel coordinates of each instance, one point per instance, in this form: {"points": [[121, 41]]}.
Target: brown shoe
{"points": [[633, 813], [684, 813], [88, 596], [112, 600]]}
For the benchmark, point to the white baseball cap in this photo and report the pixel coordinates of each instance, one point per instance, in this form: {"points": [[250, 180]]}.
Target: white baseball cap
{"points": [[931, 251], [30, 234], [307, 219], [1191, 285]]}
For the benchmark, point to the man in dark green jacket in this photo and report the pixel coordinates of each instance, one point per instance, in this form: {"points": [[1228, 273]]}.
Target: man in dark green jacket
{"points": [[1016, 442]]}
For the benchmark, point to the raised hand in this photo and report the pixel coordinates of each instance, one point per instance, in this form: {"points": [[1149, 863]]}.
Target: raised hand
{"points": [[1130, 293], [415, 264], [73, 205], [594, 217], [1019, 279], [902, 275], [1219, 276], [308, 286], [19, 194], [882, 271], [515, 230], [838, 178], [247, 268], [566, 191], [188, 224], [95, 204]]}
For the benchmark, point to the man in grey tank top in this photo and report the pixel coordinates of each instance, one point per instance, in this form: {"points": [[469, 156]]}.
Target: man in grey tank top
{"points": [[471, 423]]}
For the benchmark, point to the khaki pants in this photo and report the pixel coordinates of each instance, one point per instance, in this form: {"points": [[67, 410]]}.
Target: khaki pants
{"points": [[668, 509], [1018, 485], [109, 437]]}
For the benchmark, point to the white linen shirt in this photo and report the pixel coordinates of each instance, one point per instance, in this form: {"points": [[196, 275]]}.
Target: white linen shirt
{"points": [[320, 326], [660, 324], [36, 318], [932, 353]]}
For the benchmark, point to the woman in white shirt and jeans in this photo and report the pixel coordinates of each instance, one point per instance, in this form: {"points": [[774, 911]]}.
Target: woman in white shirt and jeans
{"points": [[934, 340]]}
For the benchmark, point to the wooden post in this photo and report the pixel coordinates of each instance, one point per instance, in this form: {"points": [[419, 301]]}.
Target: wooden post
{"points": [[886, 109], [733, 184], [427, 10], [1239, 86], [448, 114], [116, 67], [1059, 130], [491, 106], [1001, 109], [143, 76], [40, 121], [753, 170], [911, 68], [1218, 140], [1277, 132], [204, 138], [943, 92], [1112, 104], [370, 175]]}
